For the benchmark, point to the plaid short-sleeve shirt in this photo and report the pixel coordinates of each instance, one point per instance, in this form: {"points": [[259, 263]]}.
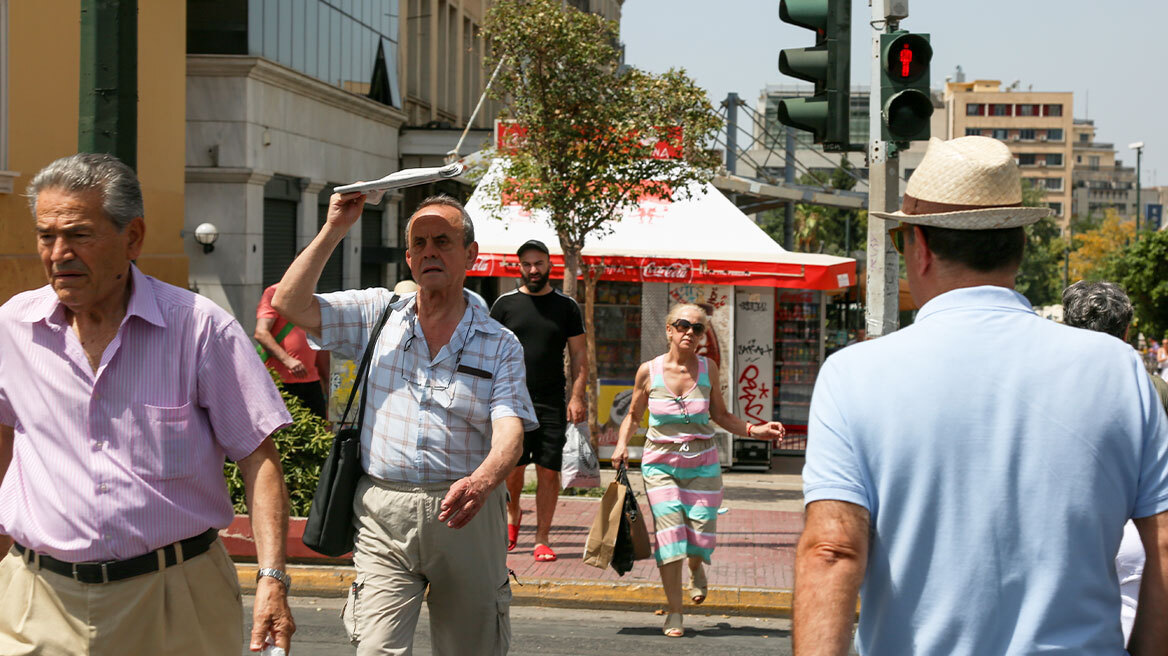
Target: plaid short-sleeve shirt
{"points": [[427, 420]]}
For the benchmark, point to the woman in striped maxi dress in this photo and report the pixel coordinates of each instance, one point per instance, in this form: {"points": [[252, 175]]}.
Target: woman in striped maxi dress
{"points": [[683, 478]]}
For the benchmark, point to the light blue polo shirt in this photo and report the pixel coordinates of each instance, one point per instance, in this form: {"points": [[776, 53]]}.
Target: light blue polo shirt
{"points": [[999, 455]]}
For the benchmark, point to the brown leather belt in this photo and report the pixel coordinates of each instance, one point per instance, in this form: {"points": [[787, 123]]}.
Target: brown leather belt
{"points": [[116, 570]]}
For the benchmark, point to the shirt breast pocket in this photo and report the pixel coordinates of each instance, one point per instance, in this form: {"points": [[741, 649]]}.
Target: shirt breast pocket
{"points": [[469, 396], [164, 443]]}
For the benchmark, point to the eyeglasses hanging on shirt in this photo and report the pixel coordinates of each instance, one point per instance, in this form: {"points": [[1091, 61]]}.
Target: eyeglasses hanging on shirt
{"points": [[436, 385]]}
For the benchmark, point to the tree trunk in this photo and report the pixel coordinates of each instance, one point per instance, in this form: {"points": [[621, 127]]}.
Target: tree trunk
{"points": [[590, 279]]}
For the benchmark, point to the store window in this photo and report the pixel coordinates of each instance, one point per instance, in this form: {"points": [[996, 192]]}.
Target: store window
{"points": [[797, 337], [281, 199], [617, 321]]}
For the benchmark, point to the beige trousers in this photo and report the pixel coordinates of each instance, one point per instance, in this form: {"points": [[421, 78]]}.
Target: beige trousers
{"points": [[403, 550], [192, 608]]}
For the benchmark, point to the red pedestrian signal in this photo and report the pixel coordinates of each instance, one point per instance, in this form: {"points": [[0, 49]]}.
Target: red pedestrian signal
{"points": [[905, 103], [905, 60]]}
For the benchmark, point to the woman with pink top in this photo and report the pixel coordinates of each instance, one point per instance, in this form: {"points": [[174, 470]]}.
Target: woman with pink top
{"points": [[680, 466]]}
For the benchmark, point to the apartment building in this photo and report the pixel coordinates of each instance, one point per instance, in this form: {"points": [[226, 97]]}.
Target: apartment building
{"points": [[1036, 125], [1100, 181]]}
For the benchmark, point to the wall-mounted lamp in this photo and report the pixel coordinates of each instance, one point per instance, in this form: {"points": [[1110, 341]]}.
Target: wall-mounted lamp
{"points": [[206, 234]]}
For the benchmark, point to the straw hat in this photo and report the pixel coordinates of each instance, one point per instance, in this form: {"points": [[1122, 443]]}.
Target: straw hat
{"points": [[969, 183]]}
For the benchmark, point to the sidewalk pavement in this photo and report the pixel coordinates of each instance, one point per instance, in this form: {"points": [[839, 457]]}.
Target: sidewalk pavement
{"points": [[751, 572]]}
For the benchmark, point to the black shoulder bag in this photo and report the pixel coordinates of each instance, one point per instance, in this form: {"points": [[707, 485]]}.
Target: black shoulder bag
{"points": [[329, 529]]}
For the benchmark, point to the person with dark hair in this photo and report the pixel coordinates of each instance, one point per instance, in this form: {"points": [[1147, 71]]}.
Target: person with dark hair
{"points": [[546, 321], [973, 472], [445, 415], [120, 396], [1105, 308], [303, 371]]}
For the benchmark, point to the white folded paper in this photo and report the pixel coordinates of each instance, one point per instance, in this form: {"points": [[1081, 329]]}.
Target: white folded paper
{"points": [[401, 179]]}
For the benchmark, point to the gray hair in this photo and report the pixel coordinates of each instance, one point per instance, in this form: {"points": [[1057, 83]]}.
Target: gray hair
{"points": [[468, 235], [121, 194], [1099, 306]]}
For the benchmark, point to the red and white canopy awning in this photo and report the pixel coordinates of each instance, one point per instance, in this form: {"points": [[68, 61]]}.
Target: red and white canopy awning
{"points": [[703, 240]]}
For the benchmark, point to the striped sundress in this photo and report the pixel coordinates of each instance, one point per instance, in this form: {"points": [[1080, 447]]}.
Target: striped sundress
{"points": [[683, 478]]}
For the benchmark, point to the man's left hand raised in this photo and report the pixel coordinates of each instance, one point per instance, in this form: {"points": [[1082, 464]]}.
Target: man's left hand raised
{"points": [[463, 501], [271, 615]]}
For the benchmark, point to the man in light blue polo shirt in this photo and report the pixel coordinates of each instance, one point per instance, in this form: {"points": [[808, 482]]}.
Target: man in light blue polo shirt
{"points": [[974, 471]]}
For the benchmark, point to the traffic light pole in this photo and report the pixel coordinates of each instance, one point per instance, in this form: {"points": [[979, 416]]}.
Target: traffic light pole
{"points": [[883, 295]]}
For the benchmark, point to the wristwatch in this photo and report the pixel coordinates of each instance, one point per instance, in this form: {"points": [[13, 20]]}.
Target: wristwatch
{"points": [[278, 574]]}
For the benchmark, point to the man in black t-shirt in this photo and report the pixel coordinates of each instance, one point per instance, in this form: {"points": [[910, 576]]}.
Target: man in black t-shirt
{"points": [[544, 320]]}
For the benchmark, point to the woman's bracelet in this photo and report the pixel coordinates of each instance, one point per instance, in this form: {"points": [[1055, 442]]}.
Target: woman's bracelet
{"points": [[749, 427]]}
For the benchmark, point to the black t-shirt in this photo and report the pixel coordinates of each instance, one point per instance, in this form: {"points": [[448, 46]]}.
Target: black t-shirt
{"points": [[543, 325]]}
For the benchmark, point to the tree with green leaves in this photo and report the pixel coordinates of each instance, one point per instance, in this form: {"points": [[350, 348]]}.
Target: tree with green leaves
{"points": [[591, 127], [1040, 277], [1142, 269]]}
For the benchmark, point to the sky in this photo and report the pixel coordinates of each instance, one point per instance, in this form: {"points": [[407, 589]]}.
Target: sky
{"points": [[1112, 55]]}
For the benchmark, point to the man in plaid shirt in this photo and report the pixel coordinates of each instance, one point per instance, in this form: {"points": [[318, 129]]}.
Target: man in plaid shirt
{"points": [[444, 421]]}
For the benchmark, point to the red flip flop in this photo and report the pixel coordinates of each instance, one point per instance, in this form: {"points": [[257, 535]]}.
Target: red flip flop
{"points": [[512, 536], [544, 553]]}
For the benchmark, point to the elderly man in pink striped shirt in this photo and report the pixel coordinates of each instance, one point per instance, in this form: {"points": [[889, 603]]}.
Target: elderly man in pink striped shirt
{"points": [[120, 396]]}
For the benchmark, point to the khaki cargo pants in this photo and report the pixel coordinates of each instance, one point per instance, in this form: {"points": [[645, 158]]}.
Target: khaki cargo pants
{"points": [[403, 552]]}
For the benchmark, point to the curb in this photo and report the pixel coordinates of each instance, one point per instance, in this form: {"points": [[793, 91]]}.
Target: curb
{"points": [[317, 581]]}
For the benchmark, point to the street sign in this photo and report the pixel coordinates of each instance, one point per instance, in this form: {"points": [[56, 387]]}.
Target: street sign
{"points": [[1154, 213]]}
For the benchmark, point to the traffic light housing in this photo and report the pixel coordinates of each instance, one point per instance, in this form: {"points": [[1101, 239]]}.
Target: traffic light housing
{"points": [[827, 65], [905, 103]]}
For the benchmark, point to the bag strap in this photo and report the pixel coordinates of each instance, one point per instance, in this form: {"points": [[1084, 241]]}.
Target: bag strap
{"points": [[363, 368]]}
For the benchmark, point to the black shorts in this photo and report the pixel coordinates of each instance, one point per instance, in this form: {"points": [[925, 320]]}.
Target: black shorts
{"points": [[545, 445]]}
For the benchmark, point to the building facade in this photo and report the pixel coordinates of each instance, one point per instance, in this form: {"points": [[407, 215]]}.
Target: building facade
{"points": [[1100, 181], [287, 99], [1036, 125], [39, 112]]}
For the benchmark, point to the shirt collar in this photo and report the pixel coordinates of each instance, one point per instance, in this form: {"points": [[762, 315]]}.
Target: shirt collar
{"points": [[142, 303], [475, 313], [985, 296]]}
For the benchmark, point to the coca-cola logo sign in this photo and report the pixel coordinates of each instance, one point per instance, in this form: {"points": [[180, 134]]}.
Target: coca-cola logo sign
{"points": [[483, 266], [668, 270]]}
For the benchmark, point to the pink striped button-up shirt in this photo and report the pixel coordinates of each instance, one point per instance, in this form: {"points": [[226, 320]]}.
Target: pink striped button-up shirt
{"points": [[113, 464]]}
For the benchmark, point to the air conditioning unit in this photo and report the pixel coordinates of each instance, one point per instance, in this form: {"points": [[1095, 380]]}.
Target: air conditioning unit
{"points": [[1041, 137]]}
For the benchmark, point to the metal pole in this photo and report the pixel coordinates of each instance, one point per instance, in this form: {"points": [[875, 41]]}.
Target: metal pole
{"points": [[108, 103], [1139, 156], [789, 178], [883, 273], [732, 133]]}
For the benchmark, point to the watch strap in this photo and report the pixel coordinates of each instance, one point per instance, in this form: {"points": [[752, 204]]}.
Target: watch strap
{"points": [[278, 574]]}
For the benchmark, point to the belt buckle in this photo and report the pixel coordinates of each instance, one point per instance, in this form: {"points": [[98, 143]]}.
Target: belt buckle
{"points": [[104, 572]]}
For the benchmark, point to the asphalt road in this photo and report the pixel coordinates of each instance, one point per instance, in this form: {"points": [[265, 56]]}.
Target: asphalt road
{"points": [[567, 632]]}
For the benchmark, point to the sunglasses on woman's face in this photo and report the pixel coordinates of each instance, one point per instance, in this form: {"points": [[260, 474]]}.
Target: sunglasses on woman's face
{"points": [[682, 325]]}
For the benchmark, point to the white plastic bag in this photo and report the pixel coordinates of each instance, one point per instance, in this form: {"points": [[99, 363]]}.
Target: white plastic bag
{"points": [[580, 466]]}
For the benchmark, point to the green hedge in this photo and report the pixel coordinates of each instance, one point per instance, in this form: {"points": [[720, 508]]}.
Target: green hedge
{"points": [[303, 447]]}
